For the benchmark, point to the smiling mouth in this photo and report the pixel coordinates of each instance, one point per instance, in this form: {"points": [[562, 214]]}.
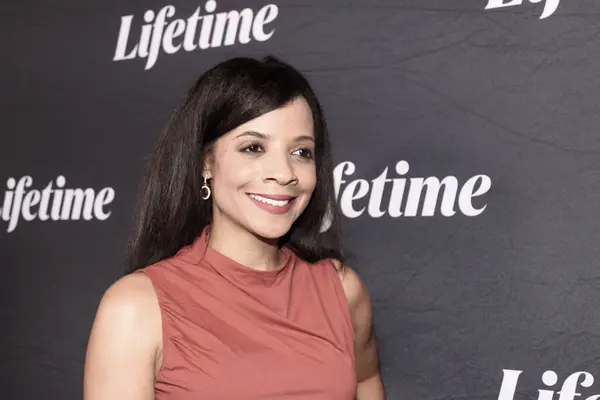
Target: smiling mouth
{"points": [[273, 202]]}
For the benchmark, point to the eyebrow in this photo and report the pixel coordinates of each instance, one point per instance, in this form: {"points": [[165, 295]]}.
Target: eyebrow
{"points": [[265, 136]]}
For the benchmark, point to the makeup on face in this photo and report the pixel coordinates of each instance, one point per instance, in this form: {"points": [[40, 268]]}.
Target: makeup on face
{"points": [[264, 170]]}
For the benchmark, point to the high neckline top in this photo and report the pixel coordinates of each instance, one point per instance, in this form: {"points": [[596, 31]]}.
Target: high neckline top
{"points": [[230, 269], [234, 332]]}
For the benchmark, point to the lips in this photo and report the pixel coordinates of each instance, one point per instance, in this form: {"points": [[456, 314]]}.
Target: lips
{"points": [[273, 196], [273, 203]]}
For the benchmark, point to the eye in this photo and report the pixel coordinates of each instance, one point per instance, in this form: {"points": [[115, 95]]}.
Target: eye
{"points": [[252, 148], [304, 153]]}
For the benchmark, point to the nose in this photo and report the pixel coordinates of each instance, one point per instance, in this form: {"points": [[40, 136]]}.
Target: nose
{"points": [[280, 168]]}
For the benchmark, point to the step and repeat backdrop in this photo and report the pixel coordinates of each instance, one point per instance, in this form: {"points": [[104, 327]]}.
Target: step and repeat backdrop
{"points": [[467, 149]]}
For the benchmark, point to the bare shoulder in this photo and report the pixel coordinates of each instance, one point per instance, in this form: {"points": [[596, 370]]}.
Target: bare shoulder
{"points": [[134, 288], [131, 304], [365, 344], [355, 289], [130, 300], [124, 341]]}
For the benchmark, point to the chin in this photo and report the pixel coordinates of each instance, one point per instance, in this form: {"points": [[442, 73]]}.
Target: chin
{"points": [[270, 230]]}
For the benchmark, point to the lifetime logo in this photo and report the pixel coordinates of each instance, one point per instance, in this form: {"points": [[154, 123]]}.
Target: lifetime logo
{"points": [[194, 32], [550, 6], [568, 390], [54, 202], [395, 195]]}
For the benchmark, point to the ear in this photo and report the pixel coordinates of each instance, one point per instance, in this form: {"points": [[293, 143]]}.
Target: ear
{"points": [[208, 165]]}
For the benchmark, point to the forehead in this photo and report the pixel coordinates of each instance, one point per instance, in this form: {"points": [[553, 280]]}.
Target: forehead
{"points": [[292, 119]]}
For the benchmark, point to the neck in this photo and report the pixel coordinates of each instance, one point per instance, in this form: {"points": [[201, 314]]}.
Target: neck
{"points": [[243, 247]]}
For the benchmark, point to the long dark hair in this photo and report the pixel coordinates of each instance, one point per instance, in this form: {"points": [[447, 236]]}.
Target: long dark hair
{"points": [[170, 212]]}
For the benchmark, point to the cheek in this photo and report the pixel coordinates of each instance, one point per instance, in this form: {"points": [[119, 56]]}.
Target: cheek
{"points": [[309, 179], [234, 172]]}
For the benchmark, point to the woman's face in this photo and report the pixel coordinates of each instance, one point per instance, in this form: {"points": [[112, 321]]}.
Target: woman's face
{"points": [[263, 172]]}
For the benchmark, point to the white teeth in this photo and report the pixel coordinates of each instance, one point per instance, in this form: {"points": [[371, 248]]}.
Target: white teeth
{"points": [[278, 203]]}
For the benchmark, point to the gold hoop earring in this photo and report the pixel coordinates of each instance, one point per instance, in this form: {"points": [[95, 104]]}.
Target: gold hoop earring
{"points": [[206, 190]]}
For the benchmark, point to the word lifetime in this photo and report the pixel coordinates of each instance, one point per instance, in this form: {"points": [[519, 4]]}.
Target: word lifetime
{"points": [[549, 5], [221, 29], [410, 197], [54, 202], [568, 390]]}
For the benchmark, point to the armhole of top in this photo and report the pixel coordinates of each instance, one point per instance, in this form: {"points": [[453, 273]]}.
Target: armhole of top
{"points": [[341, 294], [163, 324]]}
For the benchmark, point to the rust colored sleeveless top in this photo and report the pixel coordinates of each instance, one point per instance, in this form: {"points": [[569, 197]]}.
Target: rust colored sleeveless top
{"points": [[236, 333]]}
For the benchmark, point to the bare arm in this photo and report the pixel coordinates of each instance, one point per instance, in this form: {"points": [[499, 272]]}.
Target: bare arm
{"points": [[124, 342], [370, 386]]}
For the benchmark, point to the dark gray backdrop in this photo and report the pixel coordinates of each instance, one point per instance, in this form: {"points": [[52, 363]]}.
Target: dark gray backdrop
{"points": [[452, 88]]}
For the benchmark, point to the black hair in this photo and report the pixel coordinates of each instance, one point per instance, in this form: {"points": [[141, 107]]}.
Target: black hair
{"points": [[170, 212]]}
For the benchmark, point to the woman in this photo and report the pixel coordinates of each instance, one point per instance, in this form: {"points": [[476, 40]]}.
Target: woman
{"points": [[232, 291]]}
